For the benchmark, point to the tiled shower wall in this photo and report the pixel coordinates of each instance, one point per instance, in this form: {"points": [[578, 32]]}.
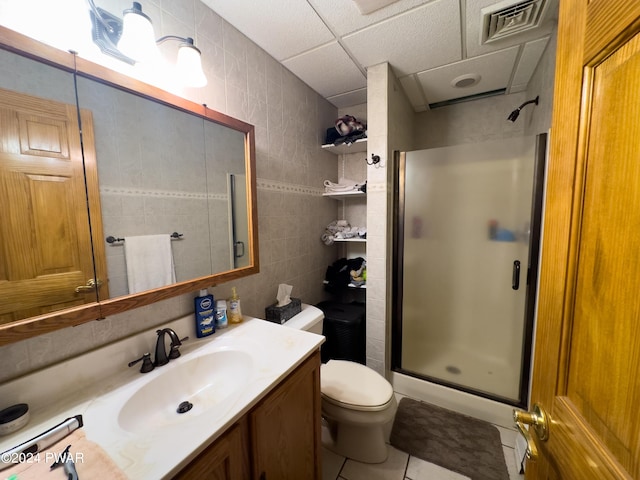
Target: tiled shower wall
{"points": [[290, 123], [391, 118]]}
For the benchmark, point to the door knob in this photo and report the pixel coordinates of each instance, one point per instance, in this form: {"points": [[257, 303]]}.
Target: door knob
{"points": [[91, 286], [538, 421]]}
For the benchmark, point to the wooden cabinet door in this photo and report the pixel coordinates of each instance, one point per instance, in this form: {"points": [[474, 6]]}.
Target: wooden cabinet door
{"points": [[285, 428], [226, 459], [587, 355]]}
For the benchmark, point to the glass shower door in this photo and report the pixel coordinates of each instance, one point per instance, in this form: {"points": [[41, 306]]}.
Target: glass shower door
{"points": [[464, 241]]}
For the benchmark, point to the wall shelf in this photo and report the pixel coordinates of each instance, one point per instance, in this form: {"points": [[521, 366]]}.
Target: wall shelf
{"points": [[344, 195], [356, 147], [356, 240], [350, 286]]}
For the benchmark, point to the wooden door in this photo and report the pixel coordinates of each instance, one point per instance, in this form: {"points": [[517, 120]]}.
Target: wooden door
{"points": [[45, 242], [587, 354]]}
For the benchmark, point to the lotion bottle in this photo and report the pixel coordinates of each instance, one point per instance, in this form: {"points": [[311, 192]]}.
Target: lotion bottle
{"points": [[205, 314], [235, 314], [221, 314]]}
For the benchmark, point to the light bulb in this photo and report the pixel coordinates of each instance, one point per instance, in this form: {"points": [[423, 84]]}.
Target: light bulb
{"points": [[189, 65], [138, 40]]}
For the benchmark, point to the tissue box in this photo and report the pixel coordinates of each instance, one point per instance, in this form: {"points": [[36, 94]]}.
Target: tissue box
{"points": [[282, 314]]}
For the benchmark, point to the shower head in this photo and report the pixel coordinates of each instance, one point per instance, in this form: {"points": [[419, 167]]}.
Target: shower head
{"points": [[514, 115]]}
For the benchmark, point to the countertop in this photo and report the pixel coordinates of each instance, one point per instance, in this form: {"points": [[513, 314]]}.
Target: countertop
{"points": [[164, 448]]}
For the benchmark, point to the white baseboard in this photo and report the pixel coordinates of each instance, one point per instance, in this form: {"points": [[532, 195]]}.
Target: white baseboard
{"points": [[461, 402], [520, 451]]}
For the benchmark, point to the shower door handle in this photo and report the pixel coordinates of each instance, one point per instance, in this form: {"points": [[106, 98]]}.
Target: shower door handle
{"points": [[515, 280], [239, 244]]}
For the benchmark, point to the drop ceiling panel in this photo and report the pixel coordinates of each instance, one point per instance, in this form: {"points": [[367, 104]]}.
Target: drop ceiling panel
{"points": [[327, 69], [344, 16], [494, 70], [414, 36], [284, 28], [426, 37], [474, 24], [529, 61], [356, 97]]}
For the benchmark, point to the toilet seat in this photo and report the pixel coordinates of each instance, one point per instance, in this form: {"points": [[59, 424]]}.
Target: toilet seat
{"points": [[354, 386]]}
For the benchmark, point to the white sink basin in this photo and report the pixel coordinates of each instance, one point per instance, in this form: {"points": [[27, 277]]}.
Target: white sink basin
{"points": [[206, 382]]}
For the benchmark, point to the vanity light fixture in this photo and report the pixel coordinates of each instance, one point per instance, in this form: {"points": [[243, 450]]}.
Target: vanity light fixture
{"points": [[189, 62], [132, 40], [138, 40]]}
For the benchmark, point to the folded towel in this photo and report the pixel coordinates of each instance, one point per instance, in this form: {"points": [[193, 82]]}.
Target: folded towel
{"points": [[327, 238], [344, 186], [91, 461], [149, 262], [341, 230]]}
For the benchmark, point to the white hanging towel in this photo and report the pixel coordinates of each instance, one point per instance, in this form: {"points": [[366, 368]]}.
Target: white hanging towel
{"points": [[149, 262]]}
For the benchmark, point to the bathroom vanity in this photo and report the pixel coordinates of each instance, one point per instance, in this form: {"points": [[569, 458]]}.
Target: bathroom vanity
{"points": [[277, 439], [255, 390]]}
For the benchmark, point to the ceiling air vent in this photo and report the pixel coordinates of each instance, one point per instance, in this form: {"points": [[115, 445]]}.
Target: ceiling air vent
{"points": [[500, 21]]}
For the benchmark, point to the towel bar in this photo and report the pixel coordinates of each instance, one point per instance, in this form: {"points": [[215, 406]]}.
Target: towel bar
{"points": [[111, 239]]}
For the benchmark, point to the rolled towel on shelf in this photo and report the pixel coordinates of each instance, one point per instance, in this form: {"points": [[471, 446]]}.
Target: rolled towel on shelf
{"points": [[333, 228], [341, 230], [343, 186], [350, 232], [338, 229]]}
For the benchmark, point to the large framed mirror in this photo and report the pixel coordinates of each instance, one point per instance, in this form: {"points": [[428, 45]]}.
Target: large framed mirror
{"points": [[152, 165]]}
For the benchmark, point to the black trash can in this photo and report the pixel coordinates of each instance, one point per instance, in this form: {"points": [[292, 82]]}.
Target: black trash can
{"points": [[345, 331]]}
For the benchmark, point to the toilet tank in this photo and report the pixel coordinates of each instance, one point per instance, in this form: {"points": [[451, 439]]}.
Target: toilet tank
{"points": [[309, 319]]}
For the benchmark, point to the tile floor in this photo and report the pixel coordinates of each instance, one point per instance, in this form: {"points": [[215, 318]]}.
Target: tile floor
{"points": [[402, 466]]}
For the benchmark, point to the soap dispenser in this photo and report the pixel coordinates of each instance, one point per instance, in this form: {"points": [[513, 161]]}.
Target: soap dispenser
{"points": [[235, 314], [205, 314]]}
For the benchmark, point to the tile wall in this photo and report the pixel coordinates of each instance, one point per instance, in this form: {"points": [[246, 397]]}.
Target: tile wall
{"points": [[391, 118], [538, 119], [290, 123]]}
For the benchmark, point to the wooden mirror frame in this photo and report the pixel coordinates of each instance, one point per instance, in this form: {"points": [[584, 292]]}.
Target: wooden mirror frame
{"points": [[31, 327]]}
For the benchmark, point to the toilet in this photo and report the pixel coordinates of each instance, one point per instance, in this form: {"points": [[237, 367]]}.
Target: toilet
{"points": [[358, 404]]}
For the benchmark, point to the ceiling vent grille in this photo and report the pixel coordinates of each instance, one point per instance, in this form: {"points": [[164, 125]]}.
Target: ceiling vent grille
{"points": [[511, 20]]}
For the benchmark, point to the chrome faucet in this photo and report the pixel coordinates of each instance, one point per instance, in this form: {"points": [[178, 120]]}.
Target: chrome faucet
{"points": [[161, 352]]}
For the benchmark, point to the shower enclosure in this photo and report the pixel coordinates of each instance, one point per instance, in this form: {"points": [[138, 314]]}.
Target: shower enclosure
{"points": [[467, 232]]}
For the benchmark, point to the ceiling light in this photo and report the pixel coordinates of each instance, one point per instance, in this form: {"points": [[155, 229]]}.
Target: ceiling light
{"points": [[466, 80], [132, 40]]}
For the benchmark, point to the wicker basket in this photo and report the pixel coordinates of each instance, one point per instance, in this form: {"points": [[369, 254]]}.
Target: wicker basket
{"points": [[282, 314]]}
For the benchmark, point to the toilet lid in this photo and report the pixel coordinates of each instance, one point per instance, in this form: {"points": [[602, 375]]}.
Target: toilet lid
{"points": [[354, 385]]}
